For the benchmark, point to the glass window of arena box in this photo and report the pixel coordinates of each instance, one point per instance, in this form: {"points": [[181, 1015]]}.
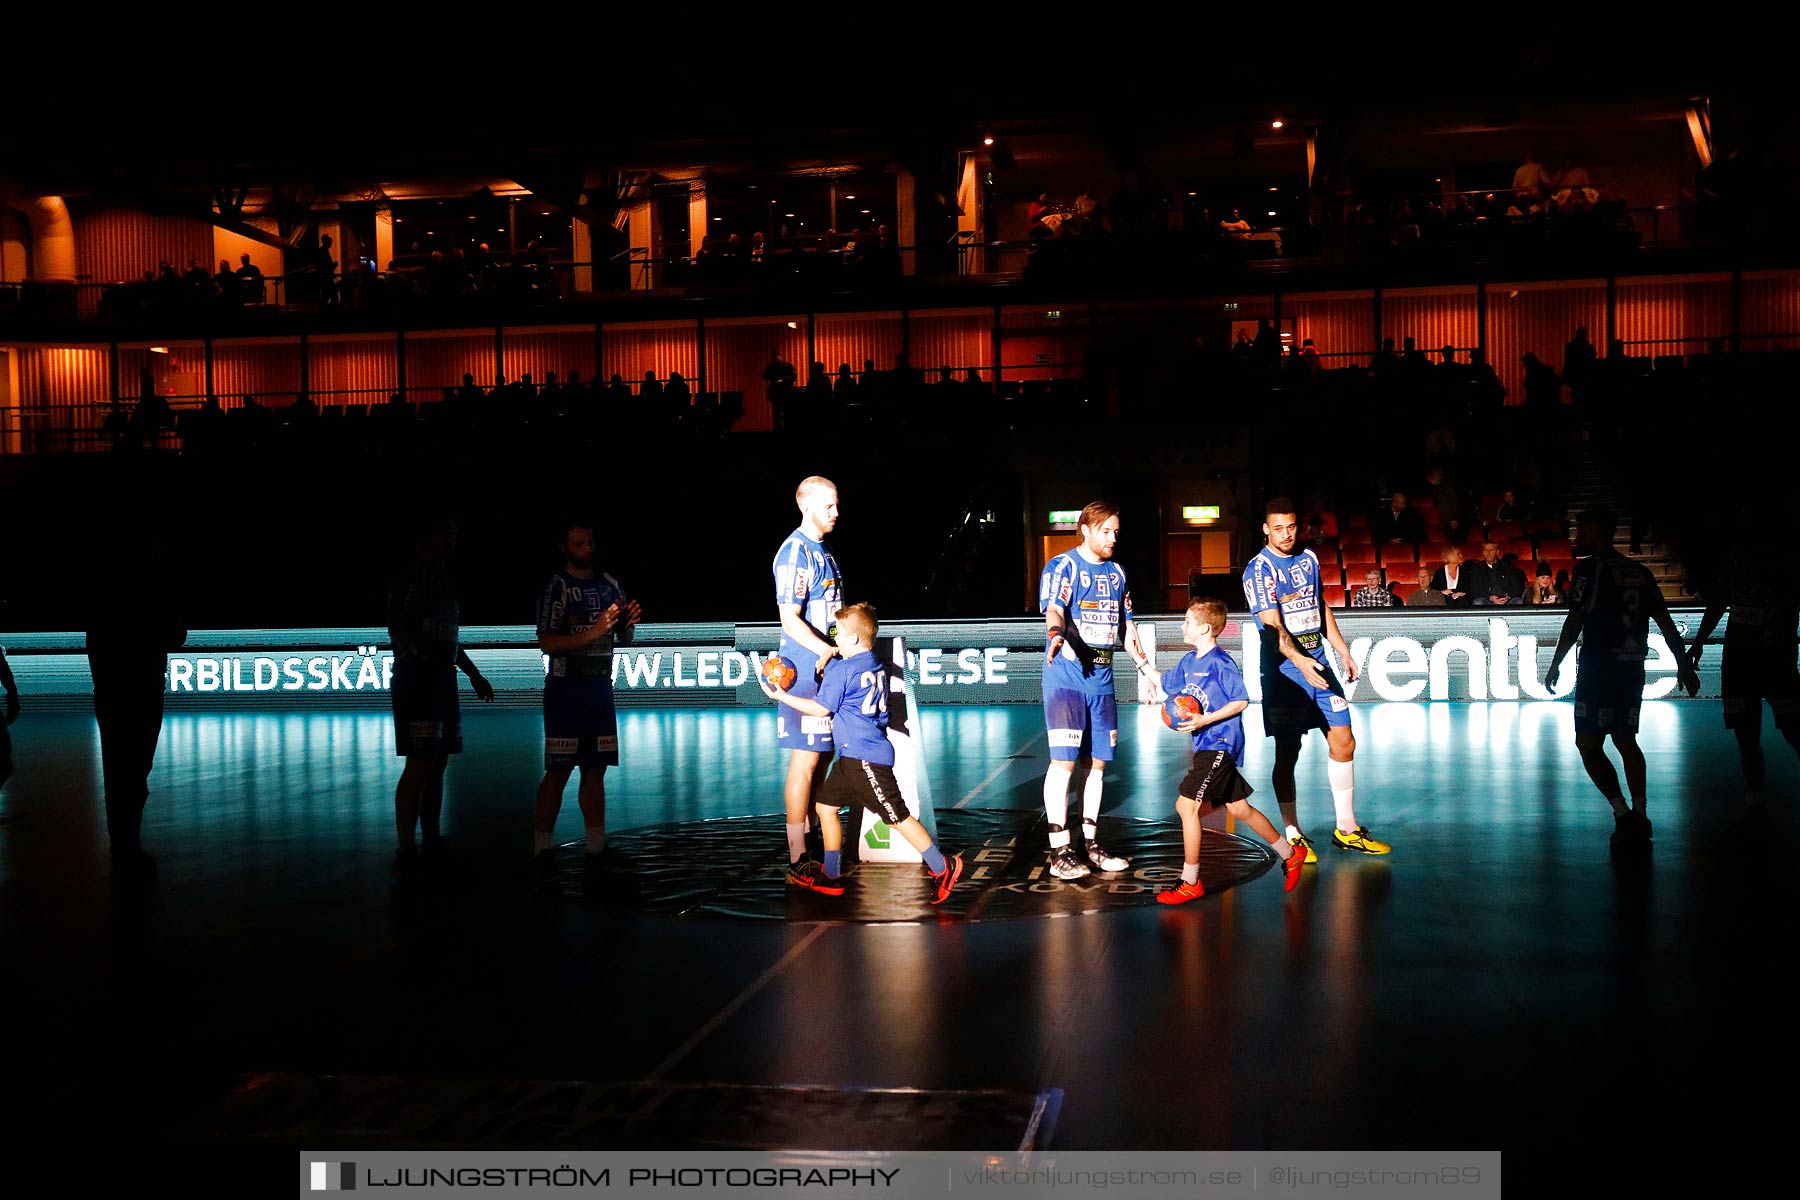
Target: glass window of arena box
{"points": [[1340, 324], [268, 369], [439, 358], [56, 397], [1540, 318], [541, 352], [958, 338], [657, 348], [1677, 315], [176, 371], [1769, 310], [857, 340], [1041, 342]]}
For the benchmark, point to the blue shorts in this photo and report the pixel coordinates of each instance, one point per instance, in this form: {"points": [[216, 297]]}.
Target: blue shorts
{"points": [[427, 711], [1081, 725], [581, 726], [794, 730], [1333, 708], [1608, 696]]}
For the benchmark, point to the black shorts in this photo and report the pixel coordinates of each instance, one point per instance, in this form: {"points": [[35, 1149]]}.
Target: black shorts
{"points": [[1214, 780], [427, 711], [1608, 696], [1749, 675], [864, 785], [1289, 710]]}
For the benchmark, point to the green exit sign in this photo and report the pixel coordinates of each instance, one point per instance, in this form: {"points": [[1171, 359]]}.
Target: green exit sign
{"points": [[1200, 512], [1065, 518]]}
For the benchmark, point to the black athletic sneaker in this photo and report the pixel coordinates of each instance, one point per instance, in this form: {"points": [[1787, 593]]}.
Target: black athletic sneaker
{"points": [[1064, 865], [810, 874]]}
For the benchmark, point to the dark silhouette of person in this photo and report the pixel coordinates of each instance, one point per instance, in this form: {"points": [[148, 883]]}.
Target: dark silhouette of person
{"points": [[128, 646], [226, 283], [1580, 360], [780, 377], [250, 281], [677, 396], [11, 714], [424, 627], [1543, 390], [1760, 587], [843, 388]]}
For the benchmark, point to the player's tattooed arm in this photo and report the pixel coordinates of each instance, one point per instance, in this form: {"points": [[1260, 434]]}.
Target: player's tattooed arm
{"points": [[1290, 649], [1336, 638]]}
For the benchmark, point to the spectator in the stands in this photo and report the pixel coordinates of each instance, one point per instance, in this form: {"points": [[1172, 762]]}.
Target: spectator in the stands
{"points": [[843, 388], [1579, 361], [1372, 594], [1531, 182], [1427, 595], [1399, 523], [1455, 579], [1543, 390], [226, 283], [250, 281], [1544, 590], [1448, 499], [1503, 583], [1508, 509]]}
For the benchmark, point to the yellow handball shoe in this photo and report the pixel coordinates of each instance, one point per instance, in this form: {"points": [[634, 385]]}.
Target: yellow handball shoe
{"points": [[1359, 840]]}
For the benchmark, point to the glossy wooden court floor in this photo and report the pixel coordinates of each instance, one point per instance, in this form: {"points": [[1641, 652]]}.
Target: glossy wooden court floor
{"points": [[1500, 981]]}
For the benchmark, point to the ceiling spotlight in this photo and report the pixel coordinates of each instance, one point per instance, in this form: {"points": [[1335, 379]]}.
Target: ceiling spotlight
{"points": [[987, 141], [718, 218], [1272, 189], [1275, 124], [865, 212], [849, 197], [1271, 212], [1193, 193], [159, 349], [430, 232], [793, 324], [787, 214]]}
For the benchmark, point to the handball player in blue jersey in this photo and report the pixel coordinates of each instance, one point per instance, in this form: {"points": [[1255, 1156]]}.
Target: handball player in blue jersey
{"points": [[1283, 586], [581, 614], [853, 693], [1087, 619], [1761, 589], [1612, 600], [425, 631], [1210, 675], [808, 593]]}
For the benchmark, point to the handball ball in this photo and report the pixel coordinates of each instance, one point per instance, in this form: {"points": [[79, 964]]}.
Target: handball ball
{"points": [[1177, 709], [779, 672]]}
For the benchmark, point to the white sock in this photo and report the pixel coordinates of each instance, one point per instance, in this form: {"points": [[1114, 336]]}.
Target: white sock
{"points": [[596, 838], [1090, 800], [1059, 839], [542, 841], [1343, 792], [1056, 799], [1190, 872], [1293, 833], [796, 835], [1282, 848]]}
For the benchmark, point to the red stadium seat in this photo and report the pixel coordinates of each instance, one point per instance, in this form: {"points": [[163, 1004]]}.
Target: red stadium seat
{"points": [[1356, 521], [1433, 551], [1518, 546], [1502, 531], [1398, 552], [1545, 525], [1334, 596], [1356, 535], [1357, 554]]}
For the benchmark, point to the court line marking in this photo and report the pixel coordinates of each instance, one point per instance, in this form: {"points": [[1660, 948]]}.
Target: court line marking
{"points": [[742, 998], [999, 770]]}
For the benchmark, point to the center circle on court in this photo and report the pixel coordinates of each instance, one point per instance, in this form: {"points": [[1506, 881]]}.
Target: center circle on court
{"points": [[734, 868]]}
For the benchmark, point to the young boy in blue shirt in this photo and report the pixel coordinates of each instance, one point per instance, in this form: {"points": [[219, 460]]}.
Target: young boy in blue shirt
{"points": [[853, 693], [1211, 676]]}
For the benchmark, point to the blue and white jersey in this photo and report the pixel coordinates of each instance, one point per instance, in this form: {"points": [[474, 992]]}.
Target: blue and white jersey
{"points": [[1214, 680], [571, 604], [855, 689], [1762, 587], [1096, 607], [1289, 582], [806, 574]]}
